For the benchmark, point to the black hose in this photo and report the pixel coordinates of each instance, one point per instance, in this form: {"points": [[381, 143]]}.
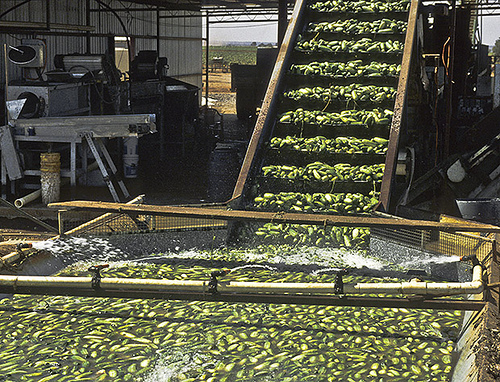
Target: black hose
{"points": [[12, 8], [122, 25]]}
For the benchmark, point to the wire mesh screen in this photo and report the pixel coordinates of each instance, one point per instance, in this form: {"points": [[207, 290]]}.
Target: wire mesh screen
{"points": [[113, 223], [456, 243]]}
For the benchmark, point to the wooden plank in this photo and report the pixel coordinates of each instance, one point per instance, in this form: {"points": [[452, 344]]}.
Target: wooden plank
{"points": [[280, 217]]}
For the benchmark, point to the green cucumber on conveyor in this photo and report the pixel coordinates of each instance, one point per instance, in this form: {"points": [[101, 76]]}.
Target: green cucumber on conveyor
{"points": [[328, 134]]}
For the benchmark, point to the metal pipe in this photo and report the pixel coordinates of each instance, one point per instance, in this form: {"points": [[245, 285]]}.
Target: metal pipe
{"points": [[475, 286], [26, 215], [207, 61], [21, 202], [14, 256]]}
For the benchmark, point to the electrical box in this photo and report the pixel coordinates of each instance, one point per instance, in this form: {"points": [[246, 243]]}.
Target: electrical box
{"points": [[53, 100], [30, 54]]}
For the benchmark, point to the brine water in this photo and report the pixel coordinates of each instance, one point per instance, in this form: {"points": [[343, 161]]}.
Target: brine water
{"points": [[110, 339]]}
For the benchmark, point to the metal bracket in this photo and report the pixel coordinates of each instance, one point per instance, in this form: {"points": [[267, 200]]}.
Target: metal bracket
{"points": [[212, 284], [338, 287], [96, 277]]}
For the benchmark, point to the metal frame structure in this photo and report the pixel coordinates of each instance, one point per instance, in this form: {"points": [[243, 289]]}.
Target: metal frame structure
{"points": [[265, 120], [77, 130], [399, 108]]}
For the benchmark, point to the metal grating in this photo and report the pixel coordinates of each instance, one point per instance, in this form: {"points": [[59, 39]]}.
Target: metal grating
{"points": [[112, 223], [459, 244]]}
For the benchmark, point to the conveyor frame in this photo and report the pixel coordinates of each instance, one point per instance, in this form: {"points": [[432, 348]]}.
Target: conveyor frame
{"points": [[266, 119]]}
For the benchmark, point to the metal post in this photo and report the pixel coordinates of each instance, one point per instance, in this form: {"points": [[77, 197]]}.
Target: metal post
{"points": [[60, 222], [47, 13], [158, 30], [496, 89], [6, 62], [206, 57], [449, 82], [87, 23], [282, 20]]}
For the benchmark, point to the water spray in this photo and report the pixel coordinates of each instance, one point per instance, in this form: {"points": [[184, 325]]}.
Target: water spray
{"points": [[472, 258]]}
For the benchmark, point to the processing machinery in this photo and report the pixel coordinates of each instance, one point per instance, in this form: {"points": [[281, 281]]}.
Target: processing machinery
{"points": [[360, 104]]}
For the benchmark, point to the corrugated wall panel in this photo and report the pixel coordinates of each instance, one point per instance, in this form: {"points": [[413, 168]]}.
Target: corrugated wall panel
{"points": [[184, 56]]}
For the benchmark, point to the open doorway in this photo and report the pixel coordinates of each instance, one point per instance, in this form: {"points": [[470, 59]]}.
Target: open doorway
{"points": [[122, 54]]}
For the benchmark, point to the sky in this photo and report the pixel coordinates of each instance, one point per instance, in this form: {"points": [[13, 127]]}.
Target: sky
{"points": [[244, 32], [267, 31], [490, 29]]}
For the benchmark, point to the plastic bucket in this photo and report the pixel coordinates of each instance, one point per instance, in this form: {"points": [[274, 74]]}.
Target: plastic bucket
{"points": [[130, 146], [130, 165]]}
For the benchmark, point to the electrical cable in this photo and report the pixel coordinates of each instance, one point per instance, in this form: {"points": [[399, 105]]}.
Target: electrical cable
{"points": [[6, 12], [447, 61], [100, 95], [127, 35]]}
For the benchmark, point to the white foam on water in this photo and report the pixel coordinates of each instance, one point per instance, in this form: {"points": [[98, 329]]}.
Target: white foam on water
{"points": [[78, 248], [172, 364], [326, 257], [416, 262]]}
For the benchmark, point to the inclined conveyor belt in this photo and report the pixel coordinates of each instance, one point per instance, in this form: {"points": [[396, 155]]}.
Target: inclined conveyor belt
{"points": [[326, 139]]}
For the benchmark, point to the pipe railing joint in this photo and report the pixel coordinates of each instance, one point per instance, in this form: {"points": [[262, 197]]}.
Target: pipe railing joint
{"points": [[338, 287], [96, 275], [212, 284]]}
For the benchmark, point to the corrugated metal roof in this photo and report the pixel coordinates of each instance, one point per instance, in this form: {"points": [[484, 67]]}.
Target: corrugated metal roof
{"points": [[198, 4]]}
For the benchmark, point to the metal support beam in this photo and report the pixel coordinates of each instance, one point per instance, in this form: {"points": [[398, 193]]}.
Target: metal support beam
{"points": [[112, 167], [449, 83], [207, 60], [282, 20], [280, 217], [409, 303], [265, 119], [102, 167], [399, 108]]}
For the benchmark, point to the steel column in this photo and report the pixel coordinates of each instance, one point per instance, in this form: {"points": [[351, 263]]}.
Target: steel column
{"points": [[282, 20]]}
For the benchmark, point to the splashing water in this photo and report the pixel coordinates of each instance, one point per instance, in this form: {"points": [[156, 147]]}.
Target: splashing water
{"points": [[325, 270], [254, 266], [171, 364], [72, 249], [440, 259]]}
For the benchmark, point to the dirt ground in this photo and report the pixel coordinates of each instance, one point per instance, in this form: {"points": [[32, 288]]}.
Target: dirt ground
{"points": [[219, 93]]}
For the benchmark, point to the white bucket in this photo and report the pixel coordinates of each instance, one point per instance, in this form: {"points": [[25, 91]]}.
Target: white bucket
{"points": [[130, 164], [130, 146]]}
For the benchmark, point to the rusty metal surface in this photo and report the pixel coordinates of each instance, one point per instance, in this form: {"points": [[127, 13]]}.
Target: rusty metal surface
{"points": [[266, 116], [282, 217], [399, 108], [329, 300]]}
